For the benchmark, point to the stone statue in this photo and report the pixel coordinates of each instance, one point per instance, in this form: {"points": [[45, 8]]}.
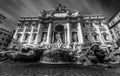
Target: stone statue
{"points": [[44, 39], [58, 37], [75, 37], [61, 8], [58, 40]]}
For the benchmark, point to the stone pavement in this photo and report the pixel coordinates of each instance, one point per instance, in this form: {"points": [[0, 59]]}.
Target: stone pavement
{"points": [[37, 69]]}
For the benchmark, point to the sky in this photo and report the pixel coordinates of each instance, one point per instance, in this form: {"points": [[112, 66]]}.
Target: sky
{"points": [[14, 9]]}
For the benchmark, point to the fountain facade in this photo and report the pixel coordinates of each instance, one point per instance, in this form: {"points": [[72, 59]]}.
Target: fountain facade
{"points": [[62, 28]]}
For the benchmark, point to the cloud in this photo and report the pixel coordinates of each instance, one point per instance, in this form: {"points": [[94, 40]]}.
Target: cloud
{"points": [[14, 9]]}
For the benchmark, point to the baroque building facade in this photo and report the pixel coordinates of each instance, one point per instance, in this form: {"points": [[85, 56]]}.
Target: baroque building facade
{"points": [[114, 25], [5, 35], [5, 38], [63, 26]]}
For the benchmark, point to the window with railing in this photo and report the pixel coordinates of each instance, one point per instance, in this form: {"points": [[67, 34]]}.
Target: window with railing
{"points": [[105, 36]]}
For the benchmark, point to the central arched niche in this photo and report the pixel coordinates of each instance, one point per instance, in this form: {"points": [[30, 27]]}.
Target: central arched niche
{"points": [[59, 28]]}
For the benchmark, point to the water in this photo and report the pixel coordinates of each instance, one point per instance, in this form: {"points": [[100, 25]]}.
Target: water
{"points": [[37, 69]]}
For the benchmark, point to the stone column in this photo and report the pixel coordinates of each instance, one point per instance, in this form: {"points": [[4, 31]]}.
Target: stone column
{"points": [[65, 36], [15, 34], [39, 33], [23, 33], [80, 34], [100, 35], [31, 35], [49, 34], [68, 34]]}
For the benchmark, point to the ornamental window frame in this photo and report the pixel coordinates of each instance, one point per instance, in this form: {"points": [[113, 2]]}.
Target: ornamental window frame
{"points": [[97, 36], [105, 36], [86, 37], [26, 37], [34, 36], [18, 36]]}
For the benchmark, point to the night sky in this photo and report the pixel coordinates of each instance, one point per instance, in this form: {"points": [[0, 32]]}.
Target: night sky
{"points": [[14, 9]]}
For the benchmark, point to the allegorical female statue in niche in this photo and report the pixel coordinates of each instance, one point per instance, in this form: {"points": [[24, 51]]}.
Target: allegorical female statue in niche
{"points": [[75, 40], [58, 39], [44, 39]]}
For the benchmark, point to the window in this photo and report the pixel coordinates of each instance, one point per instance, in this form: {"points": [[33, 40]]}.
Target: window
{"points": [[26, 37], [95, 37], [28, 26], [74, 25], [18, 36], [34, 37], [118, 34], [84, 24], [100, 24], [96, 23], [105, 37], [21, 26], [45, 26], [36, 26], [86, 37], [116, 29], [92, 25], [113, 37]]}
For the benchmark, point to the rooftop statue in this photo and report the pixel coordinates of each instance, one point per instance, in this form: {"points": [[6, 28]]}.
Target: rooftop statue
{"points": [[60, 8]]}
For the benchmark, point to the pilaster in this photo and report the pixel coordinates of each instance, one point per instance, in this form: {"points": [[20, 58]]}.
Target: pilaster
{"points": [[39, 33], [16, 33], [68, 33], [49, 34], [23, 33], [31, 35], [80, 34]]}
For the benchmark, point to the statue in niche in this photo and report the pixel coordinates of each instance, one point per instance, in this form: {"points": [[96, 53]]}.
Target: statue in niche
{"points": [[58, 40], [75, 40], [44, 39], [75, 37]]}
